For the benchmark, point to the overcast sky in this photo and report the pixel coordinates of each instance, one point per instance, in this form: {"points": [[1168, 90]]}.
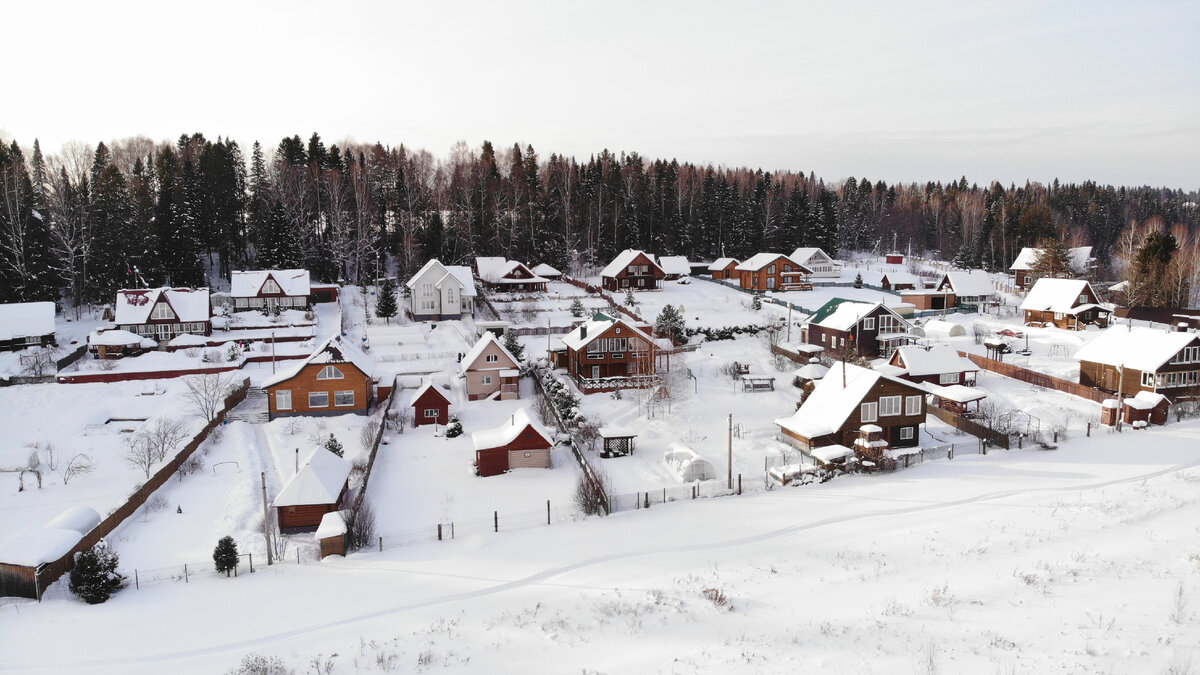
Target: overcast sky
{"points": [[891, 90]]}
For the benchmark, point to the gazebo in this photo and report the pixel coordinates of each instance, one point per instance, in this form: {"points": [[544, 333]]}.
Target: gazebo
{"points": [[957, 398], [617, 441]]}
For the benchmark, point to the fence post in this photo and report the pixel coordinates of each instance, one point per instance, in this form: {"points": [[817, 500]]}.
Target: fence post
{"points": [[251, 562], [185, 573], [381, 544], [439, 531], [496, 520], [137, 586], [1089, 430], [547, 511], [452, 529], [297, 555], [664, 495]]}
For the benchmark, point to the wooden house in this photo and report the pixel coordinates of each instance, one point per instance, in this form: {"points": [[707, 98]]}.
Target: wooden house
{"points": [[939, 364], [519, 443], [430, 405], [605, 354], [26, 324], [894, 258], [819, 264], [849, 397], [491, 371], [869, 329], [270, 289], [772, 272], [900, 281], [321, 293], [1081, 263], [116, 344], [675, 267], [163, 313], [34, 557], [723, 268], [319, 487], [953, 289], [507, 276], [1064, 303], [547, 272], [441, 292], [1131, 360], [334, 380], [636, 270]]}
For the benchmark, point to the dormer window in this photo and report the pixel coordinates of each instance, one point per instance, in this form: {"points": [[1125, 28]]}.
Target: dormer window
{"points": [[270, 287], [330, 373], [162, 311]]}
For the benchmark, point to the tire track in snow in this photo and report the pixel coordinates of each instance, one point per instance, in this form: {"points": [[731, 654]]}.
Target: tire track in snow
{"points": [[550, 573]]}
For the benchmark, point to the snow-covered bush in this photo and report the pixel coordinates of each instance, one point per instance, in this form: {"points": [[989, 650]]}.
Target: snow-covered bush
{"points": [[257, 664], [234, 352], [454, 428], [94, 578], [334, 446]]}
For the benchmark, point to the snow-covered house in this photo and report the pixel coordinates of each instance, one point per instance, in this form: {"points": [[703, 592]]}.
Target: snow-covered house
{"points": [[953, 289], [869, 329], [636, 270], [430, 405], [604, 354], [900, 281], [34, 557], [1146, 408], [272, 289], [335, 379], [26, 324], [316, 489], [818, 261], [771, 272], [1129, 360], [675, 266], [491, 370], [164, 313], [518, 443], [500, 274], [116, 344], [442, 292], [849, 397], [939, 364], [547, 272], [1081, 263], [723, 268], [1065, 303]]}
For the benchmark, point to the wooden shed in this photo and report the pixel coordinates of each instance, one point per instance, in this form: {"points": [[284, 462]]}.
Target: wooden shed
{"points": [[430, 405], [1145, 408], [316, 489], [35, 557], [520, 443], [332, 533]]}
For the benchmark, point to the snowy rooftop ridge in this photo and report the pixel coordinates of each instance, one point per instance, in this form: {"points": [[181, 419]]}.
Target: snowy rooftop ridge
{"points": [[319, 480], [1057, 295], [624, 259], [584, 333], [675, 264], [26, 319], [247, 283], [970, 283], [427, 386], [760, 260], [134, 305], [494, 269], [472, 355], [335, 350], [937, 360], [721, 263], [506, 433], [831, 402], [542, 270]]}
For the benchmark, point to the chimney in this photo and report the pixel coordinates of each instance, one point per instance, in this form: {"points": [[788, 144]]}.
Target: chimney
{"points": [[297, 460], [583, 331]]}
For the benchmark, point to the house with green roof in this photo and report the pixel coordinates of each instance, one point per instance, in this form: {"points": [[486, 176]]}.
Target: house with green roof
{"points": [[868, 329]]}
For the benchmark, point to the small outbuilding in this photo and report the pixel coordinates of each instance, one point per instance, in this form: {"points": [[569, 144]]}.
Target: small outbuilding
{"points": [[317, 488], [35, 557], [616, 441], [115, 344], [547, 272], [430, 405], [1146, 407], [332, 533], [723, 268], [26, 324], [688, 465], [519, 443]]}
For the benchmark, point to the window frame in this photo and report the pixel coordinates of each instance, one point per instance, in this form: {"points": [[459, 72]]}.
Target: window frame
{"points": [[909, 407], [311, 394], [321, 375], [868, 323], [873, 416], [908, 431], [336, 394], [891, 406], [281, 395]]}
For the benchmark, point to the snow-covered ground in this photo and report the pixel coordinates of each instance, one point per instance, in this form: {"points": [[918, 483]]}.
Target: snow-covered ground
{"points": [[69, 332]]}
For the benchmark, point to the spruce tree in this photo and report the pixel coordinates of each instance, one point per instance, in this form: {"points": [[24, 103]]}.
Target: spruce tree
{"points": [[513, 345], [669, 324], [385, 306], [1052, 261], [577, 309], [94, 577], [454, 428], [858, 281], [334, 446], [630, 299], [225, 555]]}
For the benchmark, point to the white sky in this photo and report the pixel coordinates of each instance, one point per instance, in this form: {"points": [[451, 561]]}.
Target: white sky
{"points": [[898, 91]]}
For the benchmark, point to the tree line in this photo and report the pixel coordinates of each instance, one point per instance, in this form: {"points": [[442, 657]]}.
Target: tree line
{"points": [[84, 222]]}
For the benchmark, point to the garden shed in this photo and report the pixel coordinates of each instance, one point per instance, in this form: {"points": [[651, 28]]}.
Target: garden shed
{"points": [[519, 443], [331, 534], [1145, 408]]}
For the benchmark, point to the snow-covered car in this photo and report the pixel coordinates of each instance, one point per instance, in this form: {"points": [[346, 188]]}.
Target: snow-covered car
{"points": [[1008, 332]]}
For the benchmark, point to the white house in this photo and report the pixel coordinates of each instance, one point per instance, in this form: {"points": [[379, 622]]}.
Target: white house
{"points": [[818, 261], [441, 292], [254, 289]]}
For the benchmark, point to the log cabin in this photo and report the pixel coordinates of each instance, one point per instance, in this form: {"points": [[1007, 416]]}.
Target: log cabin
{"points": [[1130, 360], [938, 364], [441, 292], [900, 281], [869, 329], [491, 370], [605, 354], [1070, 304], [319, 487], [518, 443], [674, 266], [1022, 268], [772, 272], [26, 324], [632, 270], [723, 268], [164, 313], [508, 276], [270, 289], [334, 380]]}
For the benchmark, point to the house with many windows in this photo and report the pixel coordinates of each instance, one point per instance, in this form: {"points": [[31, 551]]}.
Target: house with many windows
{"points": [[818, 262], [1129, 360], [605, 354], [500, 274], [163, 313], [869, 329], [632, 270], [938, 364], [334, 380], [772, 272], [1064, 303], [491, 370], [441, 292], [270, 289]]}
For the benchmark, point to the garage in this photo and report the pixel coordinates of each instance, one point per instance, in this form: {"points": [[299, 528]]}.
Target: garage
{"points": [[519, 443]]}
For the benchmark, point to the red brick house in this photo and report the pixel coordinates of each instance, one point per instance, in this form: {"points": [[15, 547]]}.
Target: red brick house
{"points": [[723, 268], [319, 487], [605, 354], [519, 443], [1132, 360], [430, 405], [869, 329], [771, 272], [499, 274], [272, 289], [1064, 303], [163, 313], [336, 379], [634, 270], [939, 364]]}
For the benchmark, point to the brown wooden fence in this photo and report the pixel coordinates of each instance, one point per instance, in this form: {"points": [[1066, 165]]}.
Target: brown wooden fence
{"points": [[604, 294], [362, 489], [969, 426], [50, 572], [1037, 379]]}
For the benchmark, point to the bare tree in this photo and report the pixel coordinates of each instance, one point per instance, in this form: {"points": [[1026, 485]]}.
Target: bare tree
{"points": [[79, 465], [366, 437], [206, 394], [360, 525], [152, 444], [591, 494], [52, 455], [38, 361], [139, 453]]}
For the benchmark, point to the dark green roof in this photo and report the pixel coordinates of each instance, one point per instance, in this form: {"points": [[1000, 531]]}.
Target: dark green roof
{"points": [[829, 308]]}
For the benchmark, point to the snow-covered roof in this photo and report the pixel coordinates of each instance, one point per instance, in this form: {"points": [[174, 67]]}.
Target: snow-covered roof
{"points": [[811, 371], [465, 276], [805, 253], [955, 392], [675, 264], [934, 361], [428, 386], [333, 524], [589, 330], [26, 319], [135, 305], [114, 338], [1057, 295], [760, 260], [544, 270], [495, 269], [842, 314], [624, 259], [506, 433], [33, 546], [970, 284], [829, 453], [186, 340], [902, 278], [473, 354], [617, 432], [1119, 287], [1140, 348], [319, 480], [721, 263], [830, 403], [81, 519], [1145, 400], [1081, 257], [335, 350], [246, 284], [943, 328]]}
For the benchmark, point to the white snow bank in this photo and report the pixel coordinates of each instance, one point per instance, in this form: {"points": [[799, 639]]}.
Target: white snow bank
{"points": [[81, 519], [36, 545]]}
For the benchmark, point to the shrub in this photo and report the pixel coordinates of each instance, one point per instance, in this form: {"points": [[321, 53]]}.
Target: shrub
{"points": [[94, 578], [225, 555], [334, 446], [454, 428]]}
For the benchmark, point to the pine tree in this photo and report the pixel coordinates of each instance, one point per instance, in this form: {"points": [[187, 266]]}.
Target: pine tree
{"points": [[454, 428], [94, 578], [756, 303], [1052, 261], [630, 299], [514, 346], [334, 446], [858, 282], [669, 324], [385, 306], [225, 555], [577, 309]]}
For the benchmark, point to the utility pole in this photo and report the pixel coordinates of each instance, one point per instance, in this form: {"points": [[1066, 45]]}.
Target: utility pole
{"points": [[272, 352], [730, 451], [789, 333], [266, 518]]}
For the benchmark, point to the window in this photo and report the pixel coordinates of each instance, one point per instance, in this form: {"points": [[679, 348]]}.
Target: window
{"points": [[1147, 379], [162, 311], [770, 282], [1082, 298], [843, 340], [948, 378], [486, 379], [906, 433], [633, 269], [822, 338], [431, 413], [318, 399], [343, 398], [868, 323], [912, 405], [889, 406], [491, 358], [270, 286], [330, 373], [1058, 316], [283, 399], [869, 412], [770, 269]]}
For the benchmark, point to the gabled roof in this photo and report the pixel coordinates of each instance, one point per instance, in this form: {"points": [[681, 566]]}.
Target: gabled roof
{"points": [[26, 319], [760, 260], [335, 350], [937, 360], [1145, 349], [722, 263], [247, 284], [675, 264], [1081, 257], [842, 314], [590, 330], [901, 278], [969, 284], [498, 437], [463, 275], [472, 355], [831, 403], [544, 270], [805, 253], [1057, 295], [319, 480], [494, 270], [623, 260], [432, 263], [135, 305], [428, 386]]}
